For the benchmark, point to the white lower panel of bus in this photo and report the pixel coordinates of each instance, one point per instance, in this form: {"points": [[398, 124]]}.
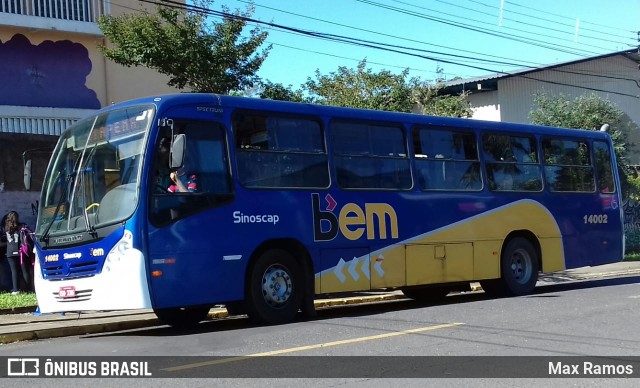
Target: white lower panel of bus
{"points": [[121, 285]]}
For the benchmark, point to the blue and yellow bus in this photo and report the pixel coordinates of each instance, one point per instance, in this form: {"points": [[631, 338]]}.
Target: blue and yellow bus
{"points": [[285, 201]]}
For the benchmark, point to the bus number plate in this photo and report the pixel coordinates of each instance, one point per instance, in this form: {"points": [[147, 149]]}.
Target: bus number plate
{"points": [[67, 292]]}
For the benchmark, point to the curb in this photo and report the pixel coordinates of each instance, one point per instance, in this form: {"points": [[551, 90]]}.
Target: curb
{"points": [[78, 330], [19, 310]]}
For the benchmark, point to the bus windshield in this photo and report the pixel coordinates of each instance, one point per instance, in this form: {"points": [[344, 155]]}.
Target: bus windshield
{"points": [[93, 177]]}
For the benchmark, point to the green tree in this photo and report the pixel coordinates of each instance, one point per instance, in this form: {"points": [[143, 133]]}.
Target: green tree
{"points": [[205, 56], [362, 88], [590, 112], [431, 101], [276, 91]]}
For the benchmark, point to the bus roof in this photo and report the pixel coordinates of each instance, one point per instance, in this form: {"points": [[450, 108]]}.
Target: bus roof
{"points": [[353, 113]]}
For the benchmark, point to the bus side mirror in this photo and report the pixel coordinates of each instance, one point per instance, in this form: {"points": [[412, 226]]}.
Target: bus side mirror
{"points": [[27, 174], [178, 147]]}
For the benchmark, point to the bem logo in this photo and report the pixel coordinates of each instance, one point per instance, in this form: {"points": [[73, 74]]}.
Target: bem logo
{"points": [[352, 220]]}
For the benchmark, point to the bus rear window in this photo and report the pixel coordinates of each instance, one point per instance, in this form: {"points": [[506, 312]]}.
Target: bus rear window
{"points": [[567, 165], [604, 169]]}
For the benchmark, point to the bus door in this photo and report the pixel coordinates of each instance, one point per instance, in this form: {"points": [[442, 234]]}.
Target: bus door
{"points": [[185, 235]]}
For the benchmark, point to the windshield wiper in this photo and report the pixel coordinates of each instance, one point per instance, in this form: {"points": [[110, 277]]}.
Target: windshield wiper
{"points": [[68, 180], [89, 228], [63, 197]]}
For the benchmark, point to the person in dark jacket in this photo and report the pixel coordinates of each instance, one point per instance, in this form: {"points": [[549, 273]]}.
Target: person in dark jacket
{"points": [[12, 230]]}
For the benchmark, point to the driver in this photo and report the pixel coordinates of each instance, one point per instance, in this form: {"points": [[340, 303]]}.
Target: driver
{"points": [[183, 183]]}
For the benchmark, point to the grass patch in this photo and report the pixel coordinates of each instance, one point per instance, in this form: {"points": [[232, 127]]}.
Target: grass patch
{"points": [[8, 301], [632, 257]]}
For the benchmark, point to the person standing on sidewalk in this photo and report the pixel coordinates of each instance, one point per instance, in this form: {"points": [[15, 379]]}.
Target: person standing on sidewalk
{"points": [[12, 229]]}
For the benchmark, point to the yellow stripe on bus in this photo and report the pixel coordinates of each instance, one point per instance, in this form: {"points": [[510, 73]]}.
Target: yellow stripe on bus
{"points": [[464, 251]]}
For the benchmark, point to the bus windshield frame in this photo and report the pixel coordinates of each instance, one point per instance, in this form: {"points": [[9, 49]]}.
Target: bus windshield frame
{"points": [[94, 174]]}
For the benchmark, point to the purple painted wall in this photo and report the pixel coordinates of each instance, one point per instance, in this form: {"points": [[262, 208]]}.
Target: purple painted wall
{"points": [[51, 74]]}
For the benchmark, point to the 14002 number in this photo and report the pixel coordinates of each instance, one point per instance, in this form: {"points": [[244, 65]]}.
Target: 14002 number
{"points": [[595, 219]]}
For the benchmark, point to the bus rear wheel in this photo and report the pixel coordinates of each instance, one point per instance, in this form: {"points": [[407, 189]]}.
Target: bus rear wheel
{"points": [[274, 288], [182, 317], [519, 266]]}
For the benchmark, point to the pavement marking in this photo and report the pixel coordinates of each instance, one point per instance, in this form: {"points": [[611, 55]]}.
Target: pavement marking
{"points": [[309, 347]]}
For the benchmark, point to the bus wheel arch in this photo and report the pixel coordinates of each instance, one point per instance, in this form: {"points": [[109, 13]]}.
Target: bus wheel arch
{"points": [[520, 263], [278, 282]]}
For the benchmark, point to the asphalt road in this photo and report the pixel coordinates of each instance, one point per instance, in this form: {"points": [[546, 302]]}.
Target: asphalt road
{"points": [[573, 319]]}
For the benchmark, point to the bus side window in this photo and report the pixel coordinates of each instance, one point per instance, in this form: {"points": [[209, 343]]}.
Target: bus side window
{"points": [[205, 173], [446, 159], [274, 150]]}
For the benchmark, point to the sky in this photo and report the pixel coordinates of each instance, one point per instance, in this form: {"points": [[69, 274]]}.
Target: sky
{"points": [[464, 38]]}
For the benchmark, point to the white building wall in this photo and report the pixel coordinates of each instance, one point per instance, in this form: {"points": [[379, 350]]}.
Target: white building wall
{"points": [[485, 106], [617, 74]]}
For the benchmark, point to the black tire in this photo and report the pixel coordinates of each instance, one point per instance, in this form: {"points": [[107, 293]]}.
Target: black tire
{"points": [[274, 288], [182, 318], [427, 294], [493, 287], [519, 266], [235, 308]]}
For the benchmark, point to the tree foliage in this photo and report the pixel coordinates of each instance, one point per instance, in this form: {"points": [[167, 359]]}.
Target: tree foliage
{"points": [[590, 112], [432, 102], [183, 44], [584, 112], [276, 91], [363, 88]]}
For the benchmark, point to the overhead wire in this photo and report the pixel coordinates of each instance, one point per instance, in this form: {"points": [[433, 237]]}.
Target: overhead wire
{"points": [[513, 37], [384, 34], [566, 17], [360, 42], [546, 20]]}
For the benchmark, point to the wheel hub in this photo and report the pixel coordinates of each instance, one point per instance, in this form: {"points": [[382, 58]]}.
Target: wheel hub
{"points": [[521, 266], [276, 286]]}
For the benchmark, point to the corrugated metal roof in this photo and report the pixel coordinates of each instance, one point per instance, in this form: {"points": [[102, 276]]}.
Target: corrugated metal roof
{"points": [[460, 83]]}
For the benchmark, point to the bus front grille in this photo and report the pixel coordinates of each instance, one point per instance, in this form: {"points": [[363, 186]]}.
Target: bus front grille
{"points": [[70, 270]]}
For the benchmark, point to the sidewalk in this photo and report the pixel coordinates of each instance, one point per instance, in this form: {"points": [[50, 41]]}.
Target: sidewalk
{"points": [[22, 324]]}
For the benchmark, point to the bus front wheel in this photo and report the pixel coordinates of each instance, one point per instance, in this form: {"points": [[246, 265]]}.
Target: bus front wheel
{"points": [[274, 288], [182, 317], [519, 268]]}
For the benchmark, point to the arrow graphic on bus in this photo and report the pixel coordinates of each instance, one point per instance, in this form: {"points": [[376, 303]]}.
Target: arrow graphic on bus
{"points": [[365, 268], [378, 266], [331, 203], [352, 268], [338, 271]]}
